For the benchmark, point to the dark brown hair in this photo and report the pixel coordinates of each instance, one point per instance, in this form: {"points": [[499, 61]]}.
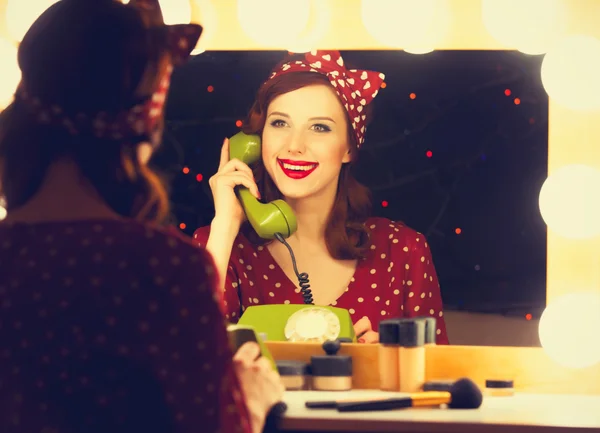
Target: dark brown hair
{"points": [[85, 57], [345, 235]]}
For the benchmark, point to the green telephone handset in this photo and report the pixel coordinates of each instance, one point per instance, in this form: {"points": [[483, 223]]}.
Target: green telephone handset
{"points": [[266, 219], [276, 220]]}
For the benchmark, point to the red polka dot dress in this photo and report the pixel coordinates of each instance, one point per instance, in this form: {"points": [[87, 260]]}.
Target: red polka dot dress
{"points": [[396, 279], [111, 326]]}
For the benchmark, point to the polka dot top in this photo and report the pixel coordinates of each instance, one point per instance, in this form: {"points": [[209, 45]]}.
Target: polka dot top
{"points": [[396, 279], [111, 326]]}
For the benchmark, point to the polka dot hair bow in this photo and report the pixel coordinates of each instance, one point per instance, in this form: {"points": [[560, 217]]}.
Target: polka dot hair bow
{"points": [[140, 120], [356, 88]]}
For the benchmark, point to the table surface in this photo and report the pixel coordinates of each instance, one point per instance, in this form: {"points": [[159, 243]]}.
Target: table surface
{"points": [[526, 413]]}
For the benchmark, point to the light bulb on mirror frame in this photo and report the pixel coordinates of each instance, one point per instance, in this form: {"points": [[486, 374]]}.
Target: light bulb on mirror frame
{"points": [[570, 72], [19, 15], [418, 50], [568, 329], [11, 74], [176, 11], [260, 21], [310, 38], [406, 23], [569, 201], [529, 26], [204, 12]]}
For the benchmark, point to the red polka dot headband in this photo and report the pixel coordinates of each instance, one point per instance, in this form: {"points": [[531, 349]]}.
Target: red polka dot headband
{"points": [[139, 121], [356, 88]]}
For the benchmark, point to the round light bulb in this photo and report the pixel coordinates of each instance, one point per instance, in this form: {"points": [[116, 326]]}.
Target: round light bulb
{"points": [[418, 50], [312, 35], [20, 15], [207, 15], [176, 11], [570, 72], [569, 201], [530, 26], [11, 74], [274, 23], [416, 27], [568, 330]]}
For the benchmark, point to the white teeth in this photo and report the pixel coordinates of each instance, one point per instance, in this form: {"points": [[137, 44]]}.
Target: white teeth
{"points": [[299, 167]]}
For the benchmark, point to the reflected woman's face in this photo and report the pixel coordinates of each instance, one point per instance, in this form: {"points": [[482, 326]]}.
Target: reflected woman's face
{"points": [[305, 141]]}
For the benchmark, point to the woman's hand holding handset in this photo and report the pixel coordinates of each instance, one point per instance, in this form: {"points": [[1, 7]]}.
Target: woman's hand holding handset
{"points": [[230, 174], [261, 384], [229, 214]]}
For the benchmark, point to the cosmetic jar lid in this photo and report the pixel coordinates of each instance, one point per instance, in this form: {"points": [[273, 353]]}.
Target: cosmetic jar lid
{"points": [[411, 332], [389, 332], [292, 368], [331, 365], [439, 385], [499, 384], [430, 329]]}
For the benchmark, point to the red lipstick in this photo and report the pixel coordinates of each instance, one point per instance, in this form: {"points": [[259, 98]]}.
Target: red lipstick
{"points": [[297, 169]]}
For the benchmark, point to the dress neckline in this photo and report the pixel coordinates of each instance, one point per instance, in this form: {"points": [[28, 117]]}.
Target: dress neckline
{"points": [[293, 284]]}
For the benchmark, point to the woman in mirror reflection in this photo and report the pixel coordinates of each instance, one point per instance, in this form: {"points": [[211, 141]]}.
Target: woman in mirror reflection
{"points": [[312, 114], [108, 322]]}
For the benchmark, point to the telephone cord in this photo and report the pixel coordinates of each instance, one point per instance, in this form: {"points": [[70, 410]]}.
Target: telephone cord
{"points": [[303, 280]]}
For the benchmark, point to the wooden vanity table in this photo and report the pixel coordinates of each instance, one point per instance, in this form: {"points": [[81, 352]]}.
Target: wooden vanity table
{"points": [[548, 398]]}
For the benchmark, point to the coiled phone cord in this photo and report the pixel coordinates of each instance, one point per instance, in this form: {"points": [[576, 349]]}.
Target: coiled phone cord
{"points": [[303, 280]]}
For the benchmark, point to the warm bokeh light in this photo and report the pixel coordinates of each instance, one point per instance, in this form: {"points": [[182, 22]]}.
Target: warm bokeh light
{"points": [[186, 170], [569, 327], [517, 101], [238, 123], [507, 92], [429, 154], [570, 203], [205, 13], [528, 316], [319, 24], [570, 72], [416, 27], [176, 11], [20, 15], [199, 177], [384, 203], [210, 89], [274, 23], [417, 50], [458, 230], [530, 26], [11, 74], [182, 226], [412, 95], [383, 85]]}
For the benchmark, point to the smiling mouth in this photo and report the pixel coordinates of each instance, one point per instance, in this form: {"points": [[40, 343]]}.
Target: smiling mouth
{"points": [[297, 169]]}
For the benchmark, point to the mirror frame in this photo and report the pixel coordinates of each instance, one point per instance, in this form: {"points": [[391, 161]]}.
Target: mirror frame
{"points": [[574, 137]]}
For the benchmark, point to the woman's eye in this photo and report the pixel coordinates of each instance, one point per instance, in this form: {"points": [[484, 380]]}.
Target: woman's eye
{"points": [[321, 128], [278, 123]]}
